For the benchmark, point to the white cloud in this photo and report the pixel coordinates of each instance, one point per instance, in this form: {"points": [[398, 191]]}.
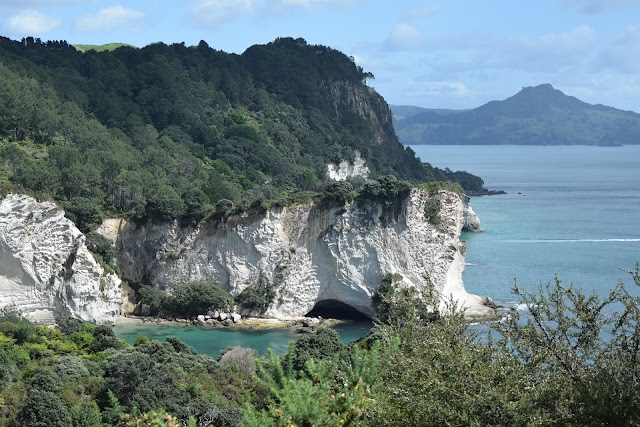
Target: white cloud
{"points": [[108, 18], [218, 12], [577, 39], [309, 4], [404, 37], [621, 54], [30, 22], [597, 6], [436, 88], [548, 53]]}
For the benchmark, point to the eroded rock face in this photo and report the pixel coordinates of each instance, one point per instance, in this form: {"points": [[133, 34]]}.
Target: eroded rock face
{"points": [[46, 271], [471, 220], [344, 170], [306, 253]]}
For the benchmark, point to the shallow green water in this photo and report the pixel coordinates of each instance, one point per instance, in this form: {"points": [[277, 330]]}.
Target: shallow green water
{"points": [[211, 341]]}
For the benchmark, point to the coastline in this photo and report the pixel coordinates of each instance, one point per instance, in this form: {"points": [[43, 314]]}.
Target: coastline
{"points": [[298, 324]]}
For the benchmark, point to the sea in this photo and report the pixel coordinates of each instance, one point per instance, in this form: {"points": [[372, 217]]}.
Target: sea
{"points": [[569, 211]]}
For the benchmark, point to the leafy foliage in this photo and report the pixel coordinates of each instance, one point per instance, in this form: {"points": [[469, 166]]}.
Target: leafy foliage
{"points": [[43, 409], [313, 397], [193, 298], [584, 349], [187, 299], [102, 248], [432, 209], [325, 344], [256, 298]]}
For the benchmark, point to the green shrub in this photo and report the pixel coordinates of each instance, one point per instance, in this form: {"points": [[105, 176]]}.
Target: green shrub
{"points": [[193, 298], [154, 298], [337, 193], [239, 359], [385, 190], [84, 212], [325, 344], [101, 246], [432, 209], [256, 298], [436, 186], [43, 409], [86, 414]]}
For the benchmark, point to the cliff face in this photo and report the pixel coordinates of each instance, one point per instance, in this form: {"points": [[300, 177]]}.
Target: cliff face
{"points": [[46, 271], [366, 103], [307, 254]]}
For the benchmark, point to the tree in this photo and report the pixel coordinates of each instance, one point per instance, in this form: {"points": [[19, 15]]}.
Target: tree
{"points": [[314, 397], [43, 409], [584, 351], [86, 414], [193, 298]]}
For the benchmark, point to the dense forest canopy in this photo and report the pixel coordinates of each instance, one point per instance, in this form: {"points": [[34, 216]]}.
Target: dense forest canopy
{"points": [[172, 131]]}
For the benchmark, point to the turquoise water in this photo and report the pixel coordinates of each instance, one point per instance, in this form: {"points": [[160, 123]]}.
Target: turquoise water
{"points": [[212, 341], [577, 215]]}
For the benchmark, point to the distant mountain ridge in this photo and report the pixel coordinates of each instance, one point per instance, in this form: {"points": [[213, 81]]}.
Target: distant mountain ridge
{"points": [[537, 115]]}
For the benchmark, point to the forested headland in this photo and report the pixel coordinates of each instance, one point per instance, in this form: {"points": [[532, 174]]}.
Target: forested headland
{"points": [[175, 131]]}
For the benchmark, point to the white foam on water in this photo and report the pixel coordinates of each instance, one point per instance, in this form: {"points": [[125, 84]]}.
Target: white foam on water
{"points": [[571, 240]]}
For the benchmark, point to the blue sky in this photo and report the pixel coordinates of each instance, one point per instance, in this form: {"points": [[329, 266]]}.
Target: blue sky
{"points": [[440, 54]]}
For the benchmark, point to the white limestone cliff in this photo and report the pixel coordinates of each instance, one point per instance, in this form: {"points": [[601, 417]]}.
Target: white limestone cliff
{"points": [[46, 271], [344, 170], [306, 253]]}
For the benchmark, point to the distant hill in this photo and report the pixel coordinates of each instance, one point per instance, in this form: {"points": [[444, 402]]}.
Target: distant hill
{"points": [[401, 112], [100, 48], [538, 115]]}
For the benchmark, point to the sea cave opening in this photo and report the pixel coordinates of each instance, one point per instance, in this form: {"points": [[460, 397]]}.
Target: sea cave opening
{"points": [[334, 309]]}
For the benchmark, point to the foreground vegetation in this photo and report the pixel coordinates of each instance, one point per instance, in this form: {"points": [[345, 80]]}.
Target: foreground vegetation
{"points": [[573, 359]]}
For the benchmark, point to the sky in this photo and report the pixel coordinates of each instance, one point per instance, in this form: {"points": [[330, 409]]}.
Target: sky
{"points": [[435, 54]]}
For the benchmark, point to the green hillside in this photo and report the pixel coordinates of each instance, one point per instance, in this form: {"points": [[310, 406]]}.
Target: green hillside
{"points": [[175, 131], [100, 48], [539, 115], [401, 112]]}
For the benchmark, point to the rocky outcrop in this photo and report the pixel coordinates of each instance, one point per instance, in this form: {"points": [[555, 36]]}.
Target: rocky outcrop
{"points": [[46, 271], [471, 220], [306, 253], [344, 170]]}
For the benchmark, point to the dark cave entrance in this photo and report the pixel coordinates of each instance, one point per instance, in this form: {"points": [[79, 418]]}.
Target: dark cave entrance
{"points": [[334, 309]]}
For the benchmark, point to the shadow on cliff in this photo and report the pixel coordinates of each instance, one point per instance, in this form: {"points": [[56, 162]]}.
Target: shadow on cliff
{"points": [[333, 309]]}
